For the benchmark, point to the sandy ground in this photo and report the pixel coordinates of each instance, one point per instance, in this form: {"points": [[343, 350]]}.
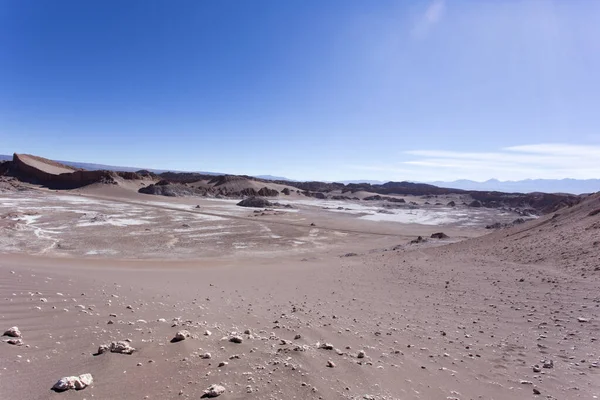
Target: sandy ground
{"points": [[462, 318]]}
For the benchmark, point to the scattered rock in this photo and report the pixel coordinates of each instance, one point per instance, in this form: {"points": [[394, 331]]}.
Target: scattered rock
{"points": [[236, 339], [214, 391], [13, 332], [73, 382], [181, 335], [439, 235], [419, 239], [121, 347]]}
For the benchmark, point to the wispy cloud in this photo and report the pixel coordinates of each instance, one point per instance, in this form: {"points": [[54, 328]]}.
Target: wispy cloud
{"points": [[548, 160], [432, 15]]}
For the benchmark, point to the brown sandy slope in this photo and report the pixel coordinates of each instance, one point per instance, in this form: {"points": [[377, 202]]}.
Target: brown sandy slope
{"points": [[45, 165], [568, 238], [463, 321]]}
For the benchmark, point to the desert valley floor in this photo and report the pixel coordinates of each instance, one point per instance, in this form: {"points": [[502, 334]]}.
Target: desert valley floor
{"points": [[323, 299]]}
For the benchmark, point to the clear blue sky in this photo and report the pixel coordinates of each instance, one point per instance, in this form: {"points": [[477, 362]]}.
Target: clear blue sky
{"points": [[330, 90]]}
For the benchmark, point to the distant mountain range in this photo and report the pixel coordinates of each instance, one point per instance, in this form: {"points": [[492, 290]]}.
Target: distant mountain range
{"points": [[573, 186]]}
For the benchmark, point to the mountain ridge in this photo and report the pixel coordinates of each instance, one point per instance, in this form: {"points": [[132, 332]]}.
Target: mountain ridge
{"points": [[566, 185]]}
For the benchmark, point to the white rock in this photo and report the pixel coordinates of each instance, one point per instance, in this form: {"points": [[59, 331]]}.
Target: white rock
{"points": [[206, 356], [181, 335], [13, 332], [207, 333], [214, 391], [121, 347], [73, 382]]}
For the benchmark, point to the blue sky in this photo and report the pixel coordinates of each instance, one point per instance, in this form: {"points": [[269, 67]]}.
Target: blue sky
{"points": [[329, 90]]}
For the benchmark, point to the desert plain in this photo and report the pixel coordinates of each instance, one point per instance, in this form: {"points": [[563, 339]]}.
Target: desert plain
{"points": [[306, 298]]}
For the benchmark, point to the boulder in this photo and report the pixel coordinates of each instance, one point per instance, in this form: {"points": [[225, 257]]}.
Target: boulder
{"points": [[475, 203], [439, 235]]}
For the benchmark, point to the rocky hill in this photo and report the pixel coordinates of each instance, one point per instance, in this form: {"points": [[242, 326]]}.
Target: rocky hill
{"points": [[38, 170]]}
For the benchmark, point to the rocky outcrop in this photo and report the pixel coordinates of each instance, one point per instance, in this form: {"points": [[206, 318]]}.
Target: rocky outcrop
{"points": [[386, 198], [266, 192], [68, 180], [255, 202], [164, 188]]}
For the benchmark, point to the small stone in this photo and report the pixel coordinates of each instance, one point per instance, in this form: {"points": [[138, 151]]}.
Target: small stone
{"points": [[330, 364], [536, 391], [121, 347], [13, 332], [297, 337], [15, 341], [548, 364], [325, 346], [236, 339], [207, 333], [223, 364], [73, 382], [214, 391], [582, 319], [181, 335], [536, 368], [206, 356], [361, 354]]}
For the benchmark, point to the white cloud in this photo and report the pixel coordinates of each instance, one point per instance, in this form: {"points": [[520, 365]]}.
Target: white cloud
{"points": [[549, 161], [432, 15]]}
